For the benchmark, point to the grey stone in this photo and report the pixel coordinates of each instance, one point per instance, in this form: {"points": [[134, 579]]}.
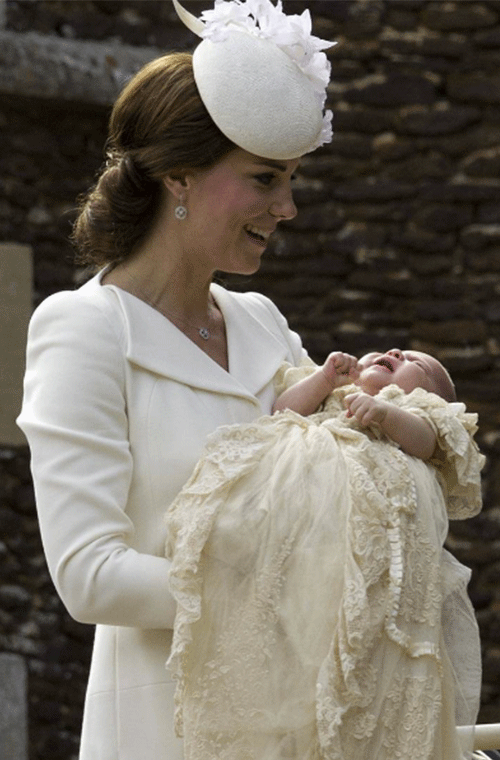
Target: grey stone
{"points": [[478, 236], [47, 66], [419, 45], [436, 120], [429, 265], [364, 19], [484, 261], [483, 163], [14, 597], [420, 167], [452, 332], [13, 708], [418, 239], [373, 189], [392, 89], [351, 145], [480, 87], [489, 38], [451, 16], [362, 119], [462, 192], [443, 217], [324, 216], [448, 47]]}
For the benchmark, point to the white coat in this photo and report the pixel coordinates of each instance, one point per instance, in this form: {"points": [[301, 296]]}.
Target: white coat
{"points": [[117, 406]]}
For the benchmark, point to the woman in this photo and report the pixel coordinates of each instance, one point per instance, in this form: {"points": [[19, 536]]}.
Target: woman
{"points": [[128, 375]]}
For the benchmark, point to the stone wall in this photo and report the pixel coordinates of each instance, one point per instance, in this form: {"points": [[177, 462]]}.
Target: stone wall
{"points": [[397, 244]]}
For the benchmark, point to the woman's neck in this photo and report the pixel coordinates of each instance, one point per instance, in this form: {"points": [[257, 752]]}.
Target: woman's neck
{"points": [[181, 296], [168, 283]]}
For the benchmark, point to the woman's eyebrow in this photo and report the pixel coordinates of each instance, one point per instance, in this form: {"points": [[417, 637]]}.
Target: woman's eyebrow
{"points": [[271, 164]]}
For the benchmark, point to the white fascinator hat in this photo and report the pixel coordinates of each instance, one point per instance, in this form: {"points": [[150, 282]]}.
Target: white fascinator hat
{"points": [[262, 76]]}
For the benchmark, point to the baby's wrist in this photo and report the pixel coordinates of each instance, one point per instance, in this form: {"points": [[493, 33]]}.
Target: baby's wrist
{"points": [[383, 411], [330, 378]]}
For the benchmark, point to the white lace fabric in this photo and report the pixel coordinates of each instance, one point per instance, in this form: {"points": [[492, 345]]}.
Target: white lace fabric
{"points": [[319, 617]]}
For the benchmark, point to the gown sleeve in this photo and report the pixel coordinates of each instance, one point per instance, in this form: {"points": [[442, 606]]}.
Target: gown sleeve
{"points": [[457, 458], [289, 375], [75, 419]]}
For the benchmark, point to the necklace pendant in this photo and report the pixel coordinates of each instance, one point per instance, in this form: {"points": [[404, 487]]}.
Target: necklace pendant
{"points": [[204, 333]]}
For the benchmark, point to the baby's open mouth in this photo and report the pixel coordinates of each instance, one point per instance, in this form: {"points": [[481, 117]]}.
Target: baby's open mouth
{"points": [[384, 362]]}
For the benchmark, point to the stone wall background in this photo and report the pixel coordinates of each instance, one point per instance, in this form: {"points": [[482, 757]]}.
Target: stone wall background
{"points": [[397, 243]]}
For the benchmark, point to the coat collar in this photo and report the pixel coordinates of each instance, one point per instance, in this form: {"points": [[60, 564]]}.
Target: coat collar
{"points": [[255, 353]]}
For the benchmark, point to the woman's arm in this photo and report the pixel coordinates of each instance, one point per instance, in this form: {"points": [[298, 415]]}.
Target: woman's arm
{"points": [[305, 396], [411, 432], [75, 418]]}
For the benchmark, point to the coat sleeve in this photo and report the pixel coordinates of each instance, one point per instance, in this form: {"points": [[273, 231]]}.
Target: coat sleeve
{"points": [[75, 419]]}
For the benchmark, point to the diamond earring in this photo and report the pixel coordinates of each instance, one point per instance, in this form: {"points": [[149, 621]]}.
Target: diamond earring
{"points": [[180, 211]]}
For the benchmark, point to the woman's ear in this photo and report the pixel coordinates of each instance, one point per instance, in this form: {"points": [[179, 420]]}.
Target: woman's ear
{"points": [[177, 184]]}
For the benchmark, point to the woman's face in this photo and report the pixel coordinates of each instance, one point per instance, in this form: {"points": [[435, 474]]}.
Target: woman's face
{"points": [[407, 369], [234, 207]]}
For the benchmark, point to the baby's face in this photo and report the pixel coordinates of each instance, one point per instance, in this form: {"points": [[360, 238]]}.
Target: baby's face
{"points": [[407, 369]]}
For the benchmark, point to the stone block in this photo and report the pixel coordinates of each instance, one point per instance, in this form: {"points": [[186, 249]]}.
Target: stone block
{"points": [[484, 261], [373, 189], [13, 708], [47, 66], [477, 87], [15, 312], [362, 119], [418, 239], [443, 217], [483, 163], [455, 16], [454, 332], [478, 236], [392, 89], [439, 119], [489, 38], [486, 191]]}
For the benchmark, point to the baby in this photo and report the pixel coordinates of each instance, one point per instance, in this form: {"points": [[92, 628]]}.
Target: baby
{"points": [[316, 603], [374, 371]]}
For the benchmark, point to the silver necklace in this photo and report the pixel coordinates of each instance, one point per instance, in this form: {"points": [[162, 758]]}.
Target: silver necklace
{"points": [[203, 332]]}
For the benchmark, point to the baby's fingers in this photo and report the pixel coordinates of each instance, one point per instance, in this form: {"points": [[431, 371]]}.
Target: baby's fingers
{"points": [[352, 401], [360, 406]]}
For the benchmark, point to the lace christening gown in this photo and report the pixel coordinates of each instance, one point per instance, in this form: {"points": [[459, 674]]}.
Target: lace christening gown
{"points": [[319, 616]]}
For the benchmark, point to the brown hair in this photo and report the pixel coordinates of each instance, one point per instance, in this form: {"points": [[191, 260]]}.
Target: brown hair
{"points": [[158, 126]]}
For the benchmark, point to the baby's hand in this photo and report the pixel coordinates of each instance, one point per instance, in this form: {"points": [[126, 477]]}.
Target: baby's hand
{"points": [[366, 408], [340, 369]]}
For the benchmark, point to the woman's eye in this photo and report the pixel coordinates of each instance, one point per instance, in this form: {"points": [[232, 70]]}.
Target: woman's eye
{"points": [[265, 179]]}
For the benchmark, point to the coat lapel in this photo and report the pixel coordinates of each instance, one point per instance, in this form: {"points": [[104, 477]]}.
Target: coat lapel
{"points": [[255, 351], [155, 344]]}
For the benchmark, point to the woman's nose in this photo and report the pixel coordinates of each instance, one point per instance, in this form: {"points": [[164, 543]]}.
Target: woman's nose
{"points": [[396, 352], [283, 207]]}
